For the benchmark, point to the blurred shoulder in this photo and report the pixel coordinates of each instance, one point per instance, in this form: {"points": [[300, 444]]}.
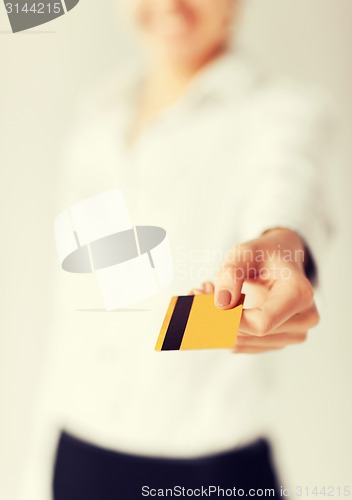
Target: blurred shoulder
{"points": [[276, 108], [286, 97]]}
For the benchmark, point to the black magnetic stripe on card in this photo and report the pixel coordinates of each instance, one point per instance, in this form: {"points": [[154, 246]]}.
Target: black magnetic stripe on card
{"points": [[177, 326]]}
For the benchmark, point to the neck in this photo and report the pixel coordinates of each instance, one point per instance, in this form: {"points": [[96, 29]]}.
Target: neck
{"points": [[165, 84]]}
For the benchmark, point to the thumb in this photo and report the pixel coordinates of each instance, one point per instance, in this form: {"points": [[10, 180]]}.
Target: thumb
{"points": [[233, 273]]}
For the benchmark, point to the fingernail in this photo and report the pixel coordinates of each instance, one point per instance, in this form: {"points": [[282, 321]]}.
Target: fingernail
{"points": [[223, 298]]}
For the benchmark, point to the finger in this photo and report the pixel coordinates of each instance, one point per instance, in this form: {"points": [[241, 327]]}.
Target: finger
{"points": [[233, 273], [299, 322], [286, 298], [254, 350], [208, 287], [279, 340]]}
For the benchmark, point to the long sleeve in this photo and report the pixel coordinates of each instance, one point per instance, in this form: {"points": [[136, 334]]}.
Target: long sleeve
{"points": [[286, 171]]}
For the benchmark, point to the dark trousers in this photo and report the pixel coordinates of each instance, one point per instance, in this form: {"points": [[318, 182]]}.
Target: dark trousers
{"points": [[87, 472]]}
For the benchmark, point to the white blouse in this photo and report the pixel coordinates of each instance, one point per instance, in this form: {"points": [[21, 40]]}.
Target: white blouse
{"points": [[239, 153]]}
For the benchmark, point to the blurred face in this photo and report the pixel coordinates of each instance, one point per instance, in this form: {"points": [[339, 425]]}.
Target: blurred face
{"points": [[184, 30]]}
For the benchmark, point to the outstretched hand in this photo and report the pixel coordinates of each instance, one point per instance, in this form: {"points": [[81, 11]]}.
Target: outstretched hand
{"points": [[281, 298]]}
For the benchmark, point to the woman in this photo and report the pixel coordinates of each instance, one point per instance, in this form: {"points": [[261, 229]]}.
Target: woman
{"points": [[229, 161]]}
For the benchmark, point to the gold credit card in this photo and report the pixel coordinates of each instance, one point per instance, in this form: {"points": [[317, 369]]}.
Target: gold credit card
{"points": [[194, 322]]}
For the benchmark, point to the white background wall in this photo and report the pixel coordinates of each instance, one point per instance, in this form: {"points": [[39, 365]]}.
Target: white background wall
{"points": [[41, 73]]}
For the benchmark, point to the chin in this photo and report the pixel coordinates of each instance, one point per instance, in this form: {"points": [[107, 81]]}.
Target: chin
{"points": [[179, 55], [179, 52]]}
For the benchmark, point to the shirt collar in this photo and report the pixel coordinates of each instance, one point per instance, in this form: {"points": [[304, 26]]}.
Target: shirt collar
{"points": [[229, 76], [225, 79]]}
